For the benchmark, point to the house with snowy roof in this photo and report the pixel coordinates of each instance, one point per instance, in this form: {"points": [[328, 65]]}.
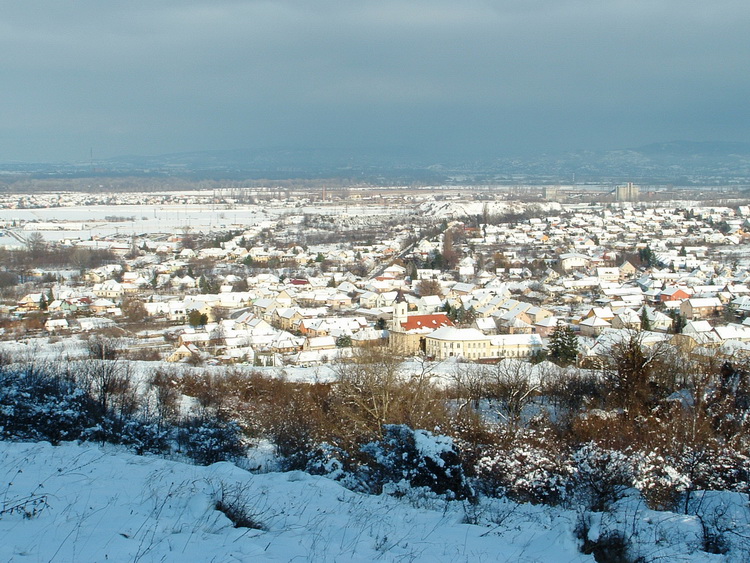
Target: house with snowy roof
{"points": [[184, 352], [515, 325], [459, 289], [701, 307], [593, 326], [522, 346], [56, 325], [286, 318], [574, 261], [110, 289], [471, 344], [701, 332], [546, 326], [658, 321], [449, 341], [627, 270], [736, 332], [608, 274], [429, 304], [626, 318], [486, 325]]}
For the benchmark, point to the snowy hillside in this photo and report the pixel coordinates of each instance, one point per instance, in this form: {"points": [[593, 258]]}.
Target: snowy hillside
{"points": [[82, 503]]}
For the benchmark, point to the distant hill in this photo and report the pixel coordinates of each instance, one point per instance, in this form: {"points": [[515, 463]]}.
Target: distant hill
{"points": [[678, 162], [693, 148]]}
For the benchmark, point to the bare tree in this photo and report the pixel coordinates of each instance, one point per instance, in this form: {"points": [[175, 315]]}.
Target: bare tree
{"points": [[511, 384], [36, 245], [631, 370], [470, 384], [167, 395], [188, 238], [429, 287], [367, 386], [109, 384], [102, 347], [134, 310]]}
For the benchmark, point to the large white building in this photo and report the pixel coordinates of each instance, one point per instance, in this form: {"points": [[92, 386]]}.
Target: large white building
{"points": [[471, 344]]}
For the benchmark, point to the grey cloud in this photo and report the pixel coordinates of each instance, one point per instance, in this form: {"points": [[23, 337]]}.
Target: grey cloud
{"points": [[144, 77]]}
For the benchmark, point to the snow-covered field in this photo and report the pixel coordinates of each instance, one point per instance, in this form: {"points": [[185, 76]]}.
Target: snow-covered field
{"points": [[87, 221]]}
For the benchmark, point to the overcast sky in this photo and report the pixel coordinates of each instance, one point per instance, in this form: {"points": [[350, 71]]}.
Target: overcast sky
{"points": [[470, 76]]}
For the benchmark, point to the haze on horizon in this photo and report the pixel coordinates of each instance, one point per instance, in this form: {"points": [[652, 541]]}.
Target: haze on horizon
{"points": [[475, 78]]}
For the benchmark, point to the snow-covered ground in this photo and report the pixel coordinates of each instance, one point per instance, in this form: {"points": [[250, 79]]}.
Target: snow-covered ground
{"points": [[83, 503], [83, 222]]}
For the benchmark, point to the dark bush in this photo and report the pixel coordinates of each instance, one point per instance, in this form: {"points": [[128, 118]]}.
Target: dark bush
{"points": [[418, 458], [141, 435], [235, 504], [208, 439], [607, 545], [39, 406]]}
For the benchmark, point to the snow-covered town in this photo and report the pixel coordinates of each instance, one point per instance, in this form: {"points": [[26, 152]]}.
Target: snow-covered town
{"points": [[449, 277], [566, 374], [343, 282]]}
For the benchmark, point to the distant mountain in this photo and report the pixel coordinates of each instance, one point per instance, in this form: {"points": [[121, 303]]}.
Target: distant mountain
{"points": [[695, 148], [283, 162], [677, 162]]}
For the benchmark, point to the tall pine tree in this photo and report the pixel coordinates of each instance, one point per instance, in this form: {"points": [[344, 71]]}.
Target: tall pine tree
{"points": [[563, 345]]}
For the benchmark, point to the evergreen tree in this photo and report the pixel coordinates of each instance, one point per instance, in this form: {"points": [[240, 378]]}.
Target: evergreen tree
{"points": [[450, 312], [203, 285], [344, 341], [645, 321], [196, 318], [413, 274], [207, 285], [678, 322], [563, 345], [730, 312], [647, 257]]}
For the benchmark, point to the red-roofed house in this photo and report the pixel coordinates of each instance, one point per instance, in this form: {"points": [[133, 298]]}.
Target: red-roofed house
{"points": [[674, 293], [408, 332], [433, 321]]}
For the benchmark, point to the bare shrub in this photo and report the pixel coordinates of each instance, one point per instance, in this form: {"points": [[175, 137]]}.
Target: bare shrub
{"points": [[525, 472], [104, 347], [109, 383], [512, 386], [167, 395], [601, 476], [236, 504]]}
